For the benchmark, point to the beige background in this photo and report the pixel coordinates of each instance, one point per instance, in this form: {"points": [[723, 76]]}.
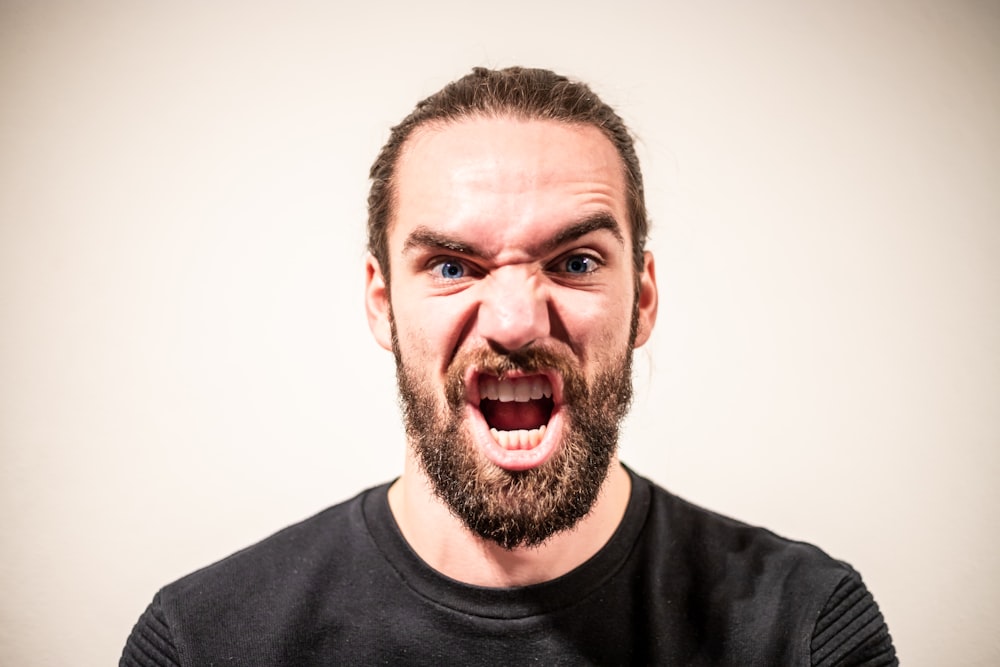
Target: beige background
{"points": [[184, 363]]}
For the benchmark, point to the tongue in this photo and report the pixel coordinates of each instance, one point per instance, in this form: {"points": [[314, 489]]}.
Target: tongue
{"points": [[513, 416]]}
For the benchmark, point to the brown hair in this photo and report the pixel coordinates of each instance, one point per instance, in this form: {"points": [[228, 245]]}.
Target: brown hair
{"points": [[536, 94]]}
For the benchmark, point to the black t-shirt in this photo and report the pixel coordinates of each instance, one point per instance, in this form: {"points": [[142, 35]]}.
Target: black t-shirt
{"points": [[675, 585]]}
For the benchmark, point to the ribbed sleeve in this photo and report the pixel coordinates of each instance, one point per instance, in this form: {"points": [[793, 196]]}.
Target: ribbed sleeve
{"points": [[150, 644], [851, 631]]}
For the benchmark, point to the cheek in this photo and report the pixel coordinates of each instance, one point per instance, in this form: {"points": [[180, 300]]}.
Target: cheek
{"points": [[599, 321], [412, 337], [600, 331], [427, 331], [604, 347]]}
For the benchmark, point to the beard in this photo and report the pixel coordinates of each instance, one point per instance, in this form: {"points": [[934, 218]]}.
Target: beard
{"points": [[522, 508]]}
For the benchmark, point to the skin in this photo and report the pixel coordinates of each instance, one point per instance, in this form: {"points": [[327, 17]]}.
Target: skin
{"points": [[485, 249]]}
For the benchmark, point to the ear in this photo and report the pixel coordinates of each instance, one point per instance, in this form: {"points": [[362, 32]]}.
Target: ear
{"points": [[377, 302], [647, 301]]}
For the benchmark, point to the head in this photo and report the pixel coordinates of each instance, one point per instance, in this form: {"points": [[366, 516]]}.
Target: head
{"points": [[521, 287]]}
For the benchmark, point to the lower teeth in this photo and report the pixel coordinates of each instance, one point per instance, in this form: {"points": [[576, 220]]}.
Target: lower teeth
{"points": [[519, 439]]}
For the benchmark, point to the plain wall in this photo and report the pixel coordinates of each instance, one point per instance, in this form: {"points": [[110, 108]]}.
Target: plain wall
{"points": [[184, 361]]}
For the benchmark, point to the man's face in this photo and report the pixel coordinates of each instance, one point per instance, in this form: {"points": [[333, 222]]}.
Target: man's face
{"points": [[513, 312]]}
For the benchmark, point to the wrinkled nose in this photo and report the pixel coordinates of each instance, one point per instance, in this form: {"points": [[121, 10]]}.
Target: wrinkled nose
{"points": [[514, 311]]}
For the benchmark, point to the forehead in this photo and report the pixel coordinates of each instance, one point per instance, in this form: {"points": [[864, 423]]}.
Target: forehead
{"points": [[505, 172]]}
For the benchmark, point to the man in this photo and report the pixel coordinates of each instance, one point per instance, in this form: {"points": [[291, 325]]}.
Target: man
{"points": [[507, 274]]}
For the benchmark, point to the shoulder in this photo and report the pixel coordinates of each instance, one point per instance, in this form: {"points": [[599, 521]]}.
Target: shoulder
{"points": [[285, 580], [771, 597], [725, 547], [284, 556], [264, 600]]}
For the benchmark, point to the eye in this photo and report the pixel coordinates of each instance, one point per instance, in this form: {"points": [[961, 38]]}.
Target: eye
{"points": [[448, 269], [579, 264]]}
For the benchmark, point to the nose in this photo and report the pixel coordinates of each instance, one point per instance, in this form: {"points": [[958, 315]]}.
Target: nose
{"points": [[514, 310]]}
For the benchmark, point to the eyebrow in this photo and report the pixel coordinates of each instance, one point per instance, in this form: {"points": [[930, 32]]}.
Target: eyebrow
{"points": [[424, 237]]}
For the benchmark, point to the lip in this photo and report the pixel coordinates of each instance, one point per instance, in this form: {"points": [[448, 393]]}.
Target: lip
{"points": [[515, 459]]}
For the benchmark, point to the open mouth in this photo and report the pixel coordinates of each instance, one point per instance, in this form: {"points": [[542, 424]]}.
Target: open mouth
{"points": [[517, 410]]}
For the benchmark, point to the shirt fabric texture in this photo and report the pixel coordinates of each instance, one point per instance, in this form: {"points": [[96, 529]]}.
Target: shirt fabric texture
{"points": [[675, 585]]}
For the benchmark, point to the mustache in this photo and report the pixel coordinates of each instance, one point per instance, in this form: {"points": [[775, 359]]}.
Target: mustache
{"points": [[528, 360], [501, 364]]}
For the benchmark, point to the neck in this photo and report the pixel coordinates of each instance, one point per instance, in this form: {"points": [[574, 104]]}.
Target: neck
{"points": [[445, 544]]}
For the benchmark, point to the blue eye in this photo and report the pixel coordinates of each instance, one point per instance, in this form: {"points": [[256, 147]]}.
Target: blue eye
{"points": [[449, 270], [579, 264]]}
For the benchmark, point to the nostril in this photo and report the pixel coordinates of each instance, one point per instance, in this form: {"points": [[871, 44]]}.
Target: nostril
{"points": [[508, 330], [500, 349]]}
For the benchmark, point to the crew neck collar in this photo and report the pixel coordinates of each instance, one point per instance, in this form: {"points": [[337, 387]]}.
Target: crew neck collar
{"points": [[512, 602]]}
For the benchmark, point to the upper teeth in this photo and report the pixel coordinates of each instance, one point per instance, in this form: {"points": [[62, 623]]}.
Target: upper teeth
{"points": [[514, 389]]}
